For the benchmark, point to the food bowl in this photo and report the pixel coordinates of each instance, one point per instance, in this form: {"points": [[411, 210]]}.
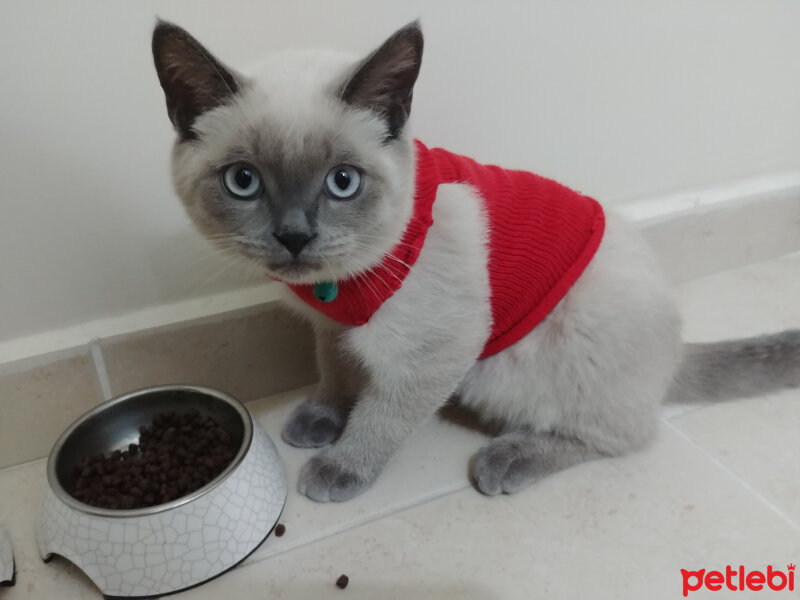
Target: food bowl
{"points": [[162, 549]]}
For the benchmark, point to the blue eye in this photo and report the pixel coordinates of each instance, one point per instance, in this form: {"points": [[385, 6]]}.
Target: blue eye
{"points": [[242, 181], [342, 182]]}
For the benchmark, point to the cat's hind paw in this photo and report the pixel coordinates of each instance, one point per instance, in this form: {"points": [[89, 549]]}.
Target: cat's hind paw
{"points": [[513, 461], [324, 479], [492, 465], [312, 425]]}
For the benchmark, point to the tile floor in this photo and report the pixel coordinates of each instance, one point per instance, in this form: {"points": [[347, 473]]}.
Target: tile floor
{"points": [[720, 486]]}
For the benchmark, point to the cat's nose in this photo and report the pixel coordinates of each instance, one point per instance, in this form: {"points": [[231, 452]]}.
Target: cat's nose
{"points": [[294, 241]]}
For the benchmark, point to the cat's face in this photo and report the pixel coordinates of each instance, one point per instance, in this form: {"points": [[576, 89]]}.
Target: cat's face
{"points": [[303, 166]]}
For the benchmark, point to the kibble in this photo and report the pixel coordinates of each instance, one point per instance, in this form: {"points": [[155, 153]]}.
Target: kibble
{"points": [[342, 582], [176, 455], [280, 529]]}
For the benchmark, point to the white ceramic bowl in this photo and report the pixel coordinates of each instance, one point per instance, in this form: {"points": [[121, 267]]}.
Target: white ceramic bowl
{"points": [[6, 559], [170, 547]]}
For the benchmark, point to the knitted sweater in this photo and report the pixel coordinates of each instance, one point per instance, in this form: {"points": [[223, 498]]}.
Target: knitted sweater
{"points": [[542, 236]]}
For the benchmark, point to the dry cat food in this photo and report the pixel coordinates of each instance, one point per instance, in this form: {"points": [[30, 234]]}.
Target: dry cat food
{"points": [[280, 529], [342, 582], [176, 455]]}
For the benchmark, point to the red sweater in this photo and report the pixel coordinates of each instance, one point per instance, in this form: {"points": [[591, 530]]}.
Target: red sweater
{"points": [[542, 236]]}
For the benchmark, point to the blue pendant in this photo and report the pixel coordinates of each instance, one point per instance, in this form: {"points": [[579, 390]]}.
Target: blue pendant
{"points": [[325, 291]]}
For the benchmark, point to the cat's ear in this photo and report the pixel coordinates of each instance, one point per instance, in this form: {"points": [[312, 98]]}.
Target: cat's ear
{"points": [[193, 80], [384, 81]]}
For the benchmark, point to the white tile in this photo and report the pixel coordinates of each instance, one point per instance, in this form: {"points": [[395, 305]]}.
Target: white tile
{"points": [[612, 529], [758, 440]]}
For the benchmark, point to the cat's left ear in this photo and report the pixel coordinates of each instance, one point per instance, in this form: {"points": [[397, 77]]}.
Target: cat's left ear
{"points": [[193, 80], [384, 81]]}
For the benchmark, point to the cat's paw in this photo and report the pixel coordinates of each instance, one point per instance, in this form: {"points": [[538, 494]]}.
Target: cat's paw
{"points": [[312, 425], [500, 467], [515, 460], [326, 479]]}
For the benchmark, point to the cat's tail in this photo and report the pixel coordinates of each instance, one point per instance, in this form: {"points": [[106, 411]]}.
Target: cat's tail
{"points": [[737, 368]]}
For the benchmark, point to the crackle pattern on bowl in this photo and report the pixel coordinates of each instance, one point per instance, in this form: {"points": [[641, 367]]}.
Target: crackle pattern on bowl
{"points": [[177, 548]]}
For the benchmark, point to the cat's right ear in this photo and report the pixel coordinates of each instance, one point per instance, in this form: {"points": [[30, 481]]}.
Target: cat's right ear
{"points": [[192, 79], [384, 81]]}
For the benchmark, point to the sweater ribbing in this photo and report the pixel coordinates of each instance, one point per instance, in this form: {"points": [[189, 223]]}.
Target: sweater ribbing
{"points": [[542, 235]]}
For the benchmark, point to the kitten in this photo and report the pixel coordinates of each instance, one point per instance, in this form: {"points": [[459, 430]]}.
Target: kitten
{"points": [[307, 167]]}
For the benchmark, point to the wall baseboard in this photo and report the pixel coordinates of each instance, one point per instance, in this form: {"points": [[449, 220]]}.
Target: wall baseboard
{"points": [[700, 232]]}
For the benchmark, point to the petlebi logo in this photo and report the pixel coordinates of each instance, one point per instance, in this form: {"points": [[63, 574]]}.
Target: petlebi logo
{"points": [[739, 579]]}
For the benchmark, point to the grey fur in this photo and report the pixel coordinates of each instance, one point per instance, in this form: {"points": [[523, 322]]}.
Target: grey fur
{"points": [[738, 368], [313, 425], [514, 460], [324, 478], [341, 380], [319, 421]]}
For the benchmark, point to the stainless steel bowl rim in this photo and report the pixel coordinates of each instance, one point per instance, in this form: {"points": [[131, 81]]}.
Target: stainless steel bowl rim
{"points": [[72, 502]]}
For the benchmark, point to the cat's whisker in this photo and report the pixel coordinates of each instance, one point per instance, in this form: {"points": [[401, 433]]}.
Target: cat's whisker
{"points": [[206, 267], [190, 259], [358, 280], [385, 255], [393, 274], [387, 268], [256, 267], [225, 265], [380, 237], [377, 276], [212, 236], [362, 279], [401, 262], [382, 280], [372, 288], [328, 266]]}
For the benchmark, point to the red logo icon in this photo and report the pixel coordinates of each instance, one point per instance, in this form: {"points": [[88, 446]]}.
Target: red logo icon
{"points": [[738, 580]]}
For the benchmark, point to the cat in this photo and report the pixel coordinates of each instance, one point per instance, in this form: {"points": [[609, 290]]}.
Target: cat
{"points": [[307, 167]]}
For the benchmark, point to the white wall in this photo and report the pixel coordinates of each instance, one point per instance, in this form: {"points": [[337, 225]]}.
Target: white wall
{"points": [[619, 98]]}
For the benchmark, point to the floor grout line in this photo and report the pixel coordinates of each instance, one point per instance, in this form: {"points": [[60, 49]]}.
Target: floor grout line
{"points": [[746, 485], [685, 409], [100, 369], [23, 465], [394, 510]]}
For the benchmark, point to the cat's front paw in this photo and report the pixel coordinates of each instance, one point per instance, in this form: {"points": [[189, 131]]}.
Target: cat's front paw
{"points": [[312, 425], [326, 479]]}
